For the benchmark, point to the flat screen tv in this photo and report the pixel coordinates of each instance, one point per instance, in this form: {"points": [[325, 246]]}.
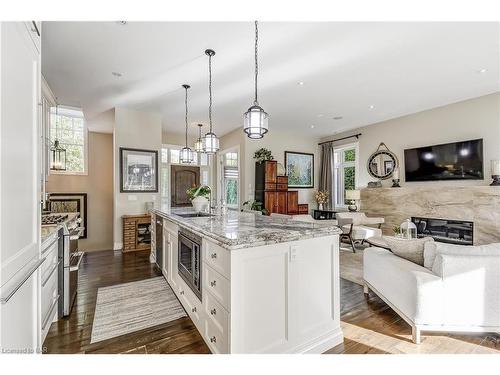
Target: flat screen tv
{"points": [[450, 161]]}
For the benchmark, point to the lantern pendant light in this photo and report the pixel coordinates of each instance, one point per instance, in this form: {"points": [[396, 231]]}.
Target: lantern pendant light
{"points": [[255, 123], [198, 145], [210, 140], [186, 156], [57, 153]]}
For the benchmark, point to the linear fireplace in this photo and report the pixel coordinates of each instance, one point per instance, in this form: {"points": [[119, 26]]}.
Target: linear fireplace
{"points": [[457, 232]]}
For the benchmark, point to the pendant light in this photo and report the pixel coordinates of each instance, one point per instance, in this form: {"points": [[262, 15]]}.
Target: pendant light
{"points": [[198, 145], [186, 156], [255, 119], [57, 153], [210, 140]]}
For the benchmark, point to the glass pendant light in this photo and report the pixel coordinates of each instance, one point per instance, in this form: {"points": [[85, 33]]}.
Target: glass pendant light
{"points": [[57, 153], [255, 119], [198, 145], [186, 156], [210, 140]]}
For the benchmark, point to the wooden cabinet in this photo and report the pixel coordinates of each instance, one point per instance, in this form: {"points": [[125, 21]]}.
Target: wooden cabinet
{"points": [[136, 232], [292, 202], [272, 190], [303, 209]]}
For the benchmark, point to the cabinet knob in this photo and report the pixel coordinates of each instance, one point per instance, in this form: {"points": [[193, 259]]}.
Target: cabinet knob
{"points": [[213, 255], [181, 292], [193, 309], [213, 339], [213, 312], [213, 283]]}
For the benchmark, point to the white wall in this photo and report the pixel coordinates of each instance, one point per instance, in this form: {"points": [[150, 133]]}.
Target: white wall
{"points": [[133, 129], [470, 119]]}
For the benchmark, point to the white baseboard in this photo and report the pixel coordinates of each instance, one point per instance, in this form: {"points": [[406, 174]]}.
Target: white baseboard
{"points": [[117, 246], [322, 343]]}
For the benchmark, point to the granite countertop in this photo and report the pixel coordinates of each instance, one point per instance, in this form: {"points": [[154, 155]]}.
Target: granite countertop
{"points": [[48, 231], [238, 230]]}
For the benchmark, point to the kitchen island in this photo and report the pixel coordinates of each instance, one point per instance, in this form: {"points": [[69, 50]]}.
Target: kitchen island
{"points": [[252, 283]]}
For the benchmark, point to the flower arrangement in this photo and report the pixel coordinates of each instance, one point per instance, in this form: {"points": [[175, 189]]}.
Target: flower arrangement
{"points": [[198, 191], [321, 197], [262, 154]]}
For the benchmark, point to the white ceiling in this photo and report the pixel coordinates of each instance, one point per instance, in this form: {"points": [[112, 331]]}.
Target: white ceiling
{"points": [[399, 68]]}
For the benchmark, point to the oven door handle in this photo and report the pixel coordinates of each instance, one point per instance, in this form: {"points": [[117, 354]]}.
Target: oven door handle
{"points": [[79, 254]]}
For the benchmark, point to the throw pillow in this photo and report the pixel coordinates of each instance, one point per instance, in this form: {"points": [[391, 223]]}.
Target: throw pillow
{"points": [[412, 250], [433, 249]]}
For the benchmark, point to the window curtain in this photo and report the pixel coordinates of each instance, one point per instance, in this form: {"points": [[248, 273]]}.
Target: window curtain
{"points": [[326, 172]]}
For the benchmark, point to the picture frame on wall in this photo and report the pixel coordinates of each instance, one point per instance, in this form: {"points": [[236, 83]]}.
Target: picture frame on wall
{"points": [[299, 169], [138, 170]]}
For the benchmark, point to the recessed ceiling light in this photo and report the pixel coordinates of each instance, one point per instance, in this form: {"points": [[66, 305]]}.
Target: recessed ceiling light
{"points": [[116, 74], [312, 126], [338, 118], [300, 83], [320, 115], [121, 22], [371, 106], [483, 70]]}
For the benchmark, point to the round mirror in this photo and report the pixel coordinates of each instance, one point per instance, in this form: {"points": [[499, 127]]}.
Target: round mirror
{"points": [[381, 163]]}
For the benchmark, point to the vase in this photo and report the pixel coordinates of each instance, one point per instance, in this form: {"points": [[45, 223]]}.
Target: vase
{"points": [[320, 206], [200, 204]]}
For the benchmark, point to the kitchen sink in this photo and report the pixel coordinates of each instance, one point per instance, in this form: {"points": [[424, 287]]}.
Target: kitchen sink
{"points": [[194, 214]]}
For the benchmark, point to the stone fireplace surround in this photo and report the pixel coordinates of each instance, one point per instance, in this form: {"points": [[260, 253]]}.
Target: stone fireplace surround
{"points": [[479, 204]]}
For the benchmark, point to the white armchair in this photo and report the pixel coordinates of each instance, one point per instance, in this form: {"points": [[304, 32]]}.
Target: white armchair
{"points": [[357, 227], [457, 291]]}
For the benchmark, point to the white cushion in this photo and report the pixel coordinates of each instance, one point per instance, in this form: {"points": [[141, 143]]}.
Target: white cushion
{"points": [[412, 250], [433, 249], [362, 232]]}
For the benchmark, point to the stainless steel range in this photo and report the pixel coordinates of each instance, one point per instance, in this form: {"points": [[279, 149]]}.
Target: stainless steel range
{"points": [[69, 256]]}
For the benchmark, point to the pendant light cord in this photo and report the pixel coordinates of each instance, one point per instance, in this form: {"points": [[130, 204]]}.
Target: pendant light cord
{"points": [[210, 91], [256, 61], [186, 118]]}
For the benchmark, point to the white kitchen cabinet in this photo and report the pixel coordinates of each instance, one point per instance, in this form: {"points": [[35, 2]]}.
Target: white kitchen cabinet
{"points": [[20, 187], [152, 255]]}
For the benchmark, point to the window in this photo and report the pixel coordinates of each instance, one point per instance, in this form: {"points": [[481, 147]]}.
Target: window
{"points": [[345, 163], [170, 154], [231, 176], [67, 125]]}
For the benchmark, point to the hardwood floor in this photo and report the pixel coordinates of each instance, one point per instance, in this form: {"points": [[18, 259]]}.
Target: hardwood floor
{"points": [[105, 268], [369, 325]]}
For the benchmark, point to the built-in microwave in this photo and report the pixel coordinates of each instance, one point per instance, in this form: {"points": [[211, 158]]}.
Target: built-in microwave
{"points": [[189, 260]]}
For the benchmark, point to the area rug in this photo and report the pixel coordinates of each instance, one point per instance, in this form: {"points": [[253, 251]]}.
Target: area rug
{"points": [[130, 307], [351, 265]]}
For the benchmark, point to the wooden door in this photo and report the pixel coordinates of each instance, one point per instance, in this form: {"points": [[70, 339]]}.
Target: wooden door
{"points": [[281, 202], [20, 259], [292, 202], [183, 178], [271, 172]]}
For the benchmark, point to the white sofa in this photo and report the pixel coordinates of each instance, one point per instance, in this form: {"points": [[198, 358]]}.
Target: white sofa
{"points": [[458, 290]]}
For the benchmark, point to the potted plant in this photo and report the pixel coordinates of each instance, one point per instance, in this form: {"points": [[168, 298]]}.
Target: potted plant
{"points": [[321, 198], [199, 197], [262, 154], [255, 206]]}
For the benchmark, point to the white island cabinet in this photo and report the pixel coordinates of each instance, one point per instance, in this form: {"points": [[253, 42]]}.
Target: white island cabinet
{"points": [[264, 289]]}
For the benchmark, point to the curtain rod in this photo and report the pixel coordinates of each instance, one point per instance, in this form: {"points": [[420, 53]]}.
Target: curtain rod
{"points": [[340, 139]]}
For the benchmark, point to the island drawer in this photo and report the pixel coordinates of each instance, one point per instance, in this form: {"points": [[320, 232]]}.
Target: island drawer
{"points": [[217, 285], [216, 341], [216, 313], [217, 258], [191, 304], [50, 253]]}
